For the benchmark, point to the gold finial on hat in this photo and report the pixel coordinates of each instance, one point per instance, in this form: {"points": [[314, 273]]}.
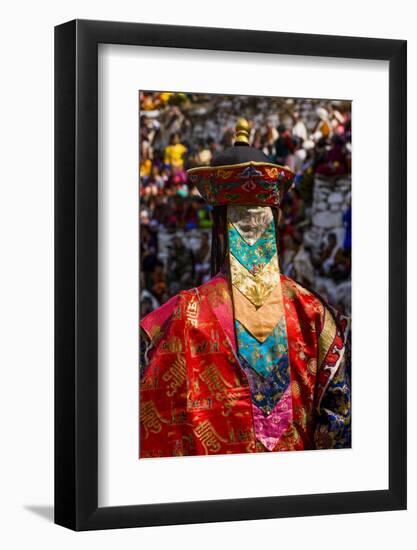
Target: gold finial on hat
{"points": [[242, 131]]}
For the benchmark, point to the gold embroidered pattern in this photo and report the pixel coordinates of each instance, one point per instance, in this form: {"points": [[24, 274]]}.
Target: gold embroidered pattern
{"points": [[175, 375], [220, 388], [312, 366], [272, 172], [327, 336], [211, 345], [223, 174], [208, 437], [191, 313], [171, 345], [217, 294], [257, 287], [150, 418], [155, 333], [291, 289], [214, 380], [295, 389]]}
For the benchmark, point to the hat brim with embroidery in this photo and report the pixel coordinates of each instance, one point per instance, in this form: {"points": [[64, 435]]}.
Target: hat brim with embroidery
{"points": [[242, 175]]}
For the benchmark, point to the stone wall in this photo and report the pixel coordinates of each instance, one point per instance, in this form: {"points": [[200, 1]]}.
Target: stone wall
{"points": [[331, 198]]}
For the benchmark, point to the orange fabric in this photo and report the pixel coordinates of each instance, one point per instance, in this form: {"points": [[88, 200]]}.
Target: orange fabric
{"points": [[260, 322]]}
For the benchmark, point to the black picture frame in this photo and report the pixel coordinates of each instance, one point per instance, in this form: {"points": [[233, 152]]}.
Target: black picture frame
{"points": [[76, 271]]}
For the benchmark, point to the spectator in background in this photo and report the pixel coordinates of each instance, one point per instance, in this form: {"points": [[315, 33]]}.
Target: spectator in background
{"points": [[289, 250], [303, 270], [299, 129], [174, 152], [146, 306], [347, 222], [328, 255], [340, 267], [284, 145], [324, 127], [204, 154], [179, 131], [148, 254], [202, 258], [159, 288], [333, 161], [180, 274]]}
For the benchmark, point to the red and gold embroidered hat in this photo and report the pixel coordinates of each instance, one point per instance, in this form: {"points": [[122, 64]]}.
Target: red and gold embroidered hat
{"points": [[242, 175]]}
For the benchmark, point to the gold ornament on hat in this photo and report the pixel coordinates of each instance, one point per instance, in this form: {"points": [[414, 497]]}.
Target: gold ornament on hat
{"points": [[242, 131]]}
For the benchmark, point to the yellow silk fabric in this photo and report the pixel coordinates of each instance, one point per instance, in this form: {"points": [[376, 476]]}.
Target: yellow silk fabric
{"points": [[257, 288], [327, 336]]}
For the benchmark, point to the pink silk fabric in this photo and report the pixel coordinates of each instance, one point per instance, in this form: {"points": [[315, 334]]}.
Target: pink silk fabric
{"points": [[269, 429]]}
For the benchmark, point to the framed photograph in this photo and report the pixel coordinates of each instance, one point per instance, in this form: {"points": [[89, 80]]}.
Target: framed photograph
{"points": [[230, 253]]}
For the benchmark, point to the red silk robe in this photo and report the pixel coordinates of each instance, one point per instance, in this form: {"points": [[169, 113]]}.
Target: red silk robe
{"points": [[194, 396]]}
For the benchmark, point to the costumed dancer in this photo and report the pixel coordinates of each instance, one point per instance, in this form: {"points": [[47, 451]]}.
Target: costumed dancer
{"points": [[250, 361]]}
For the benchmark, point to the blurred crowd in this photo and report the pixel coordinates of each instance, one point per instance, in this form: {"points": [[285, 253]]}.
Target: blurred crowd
{"points": [[180, 131]]}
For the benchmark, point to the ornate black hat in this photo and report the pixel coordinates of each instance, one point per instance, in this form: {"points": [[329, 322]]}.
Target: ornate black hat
{"points": [[242, 175]]}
